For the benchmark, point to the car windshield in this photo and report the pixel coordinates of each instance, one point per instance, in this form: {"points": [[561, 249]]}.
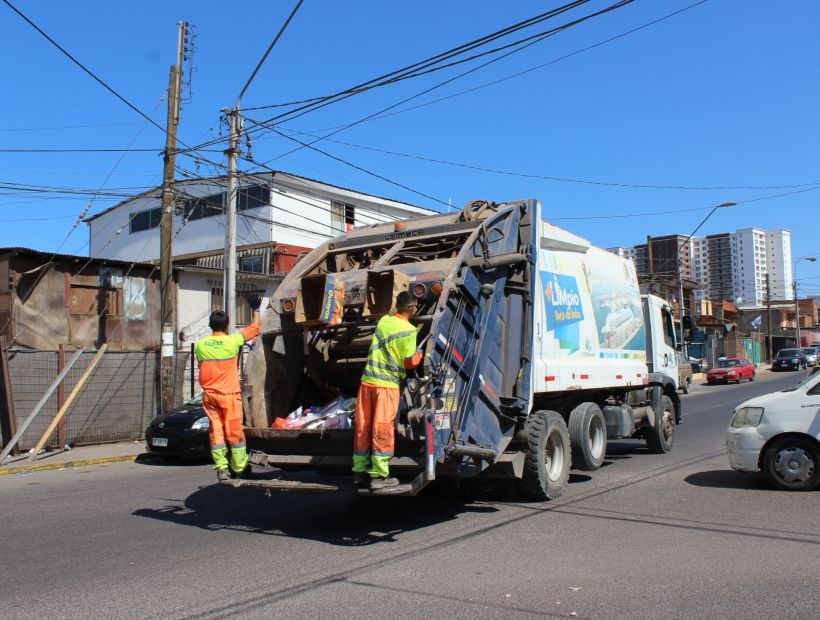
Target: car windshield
{"points": [[810, 351], [787, 353], [196, 400], [809, 382], [728, 364]]}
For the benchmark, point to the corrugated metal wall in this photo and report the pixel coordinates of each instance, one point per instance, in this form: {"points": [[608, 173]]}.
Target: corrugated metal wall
{"points": [[116, 403]]}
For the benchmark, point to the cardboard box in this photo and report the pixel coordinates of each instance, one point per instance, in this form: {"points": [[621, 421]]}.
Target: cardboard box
{"points": [[320, 300], [382, 288]]}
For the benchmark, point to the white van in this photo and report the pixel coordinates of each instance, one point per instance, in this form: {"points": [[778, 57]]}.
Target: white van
{"points": [[779, 434]]}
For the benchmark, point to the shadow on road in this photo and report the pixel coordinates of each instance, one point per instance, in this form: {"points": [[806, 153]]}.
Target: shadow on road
{"points": [[729, 479], [146, 458], [346, 520]]}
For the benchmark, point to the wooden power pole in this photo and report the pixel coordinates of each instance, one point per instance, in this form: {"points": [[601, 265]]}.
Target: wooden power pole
{"points": [[167, 292]]}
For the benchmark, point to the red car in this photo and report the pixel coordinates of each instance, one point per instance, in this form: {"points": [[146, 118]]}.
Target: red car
{"points": [[731, 369]]}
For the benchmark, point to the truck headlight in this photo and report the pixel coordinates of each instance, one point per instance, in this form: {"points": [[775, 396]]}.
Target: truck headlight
{"points": [[747, 416], [202, 424]]}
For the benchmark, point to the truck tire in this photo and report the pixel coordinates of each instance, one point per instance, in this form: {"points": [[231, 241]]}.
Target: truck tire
{"points": [[548, 456], [587, 436], [660, 436]]}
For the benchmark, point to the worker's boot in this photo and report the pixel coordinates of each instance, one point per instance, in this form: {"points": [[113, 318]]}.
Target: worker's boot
{"points": [[361, 479], [223, 474], [245, 474], [383, 483]]}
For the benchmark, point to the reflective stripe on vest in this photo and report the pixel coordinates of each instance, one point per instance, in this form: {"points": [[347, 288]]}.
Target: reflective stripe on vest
{"points": [[393, 342]]}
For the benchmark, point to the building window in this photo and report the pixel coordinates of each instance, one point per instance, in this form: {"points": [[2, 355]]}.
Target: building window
{"points": [[144, 220], [252, 197], [251, 263], [205, 206], [342, 217], [242, 313]]}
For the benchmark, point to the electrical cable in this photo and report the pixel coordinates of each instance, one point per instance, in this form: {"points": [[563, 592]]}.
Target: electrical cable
{"points": [[270, 47], [557, 179]]}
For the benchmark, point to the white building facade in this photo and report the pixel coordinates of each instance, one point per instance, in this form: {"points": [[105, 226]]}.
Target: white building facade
{"points": [[274, 210], [271, 207]]}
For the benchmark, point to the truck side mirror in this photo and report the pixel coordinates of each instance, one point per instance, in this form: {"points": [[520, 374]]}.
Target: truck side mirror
{"points": [[688, 322]]}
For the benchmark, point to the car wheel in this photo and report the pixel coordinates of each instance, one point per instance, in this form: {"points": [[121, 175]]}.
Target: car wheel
{"points": [[792, 464], [752, 377]]}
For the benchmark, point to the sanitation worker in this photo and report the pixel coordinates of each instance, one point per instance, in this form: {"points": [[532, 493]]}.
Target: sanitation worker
{"points": [[392, 350], [218, 357]]}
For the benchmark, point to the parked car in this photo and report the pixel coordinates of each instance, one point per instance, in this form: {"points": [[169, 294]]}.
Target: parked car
{"points": [[789, 359], [684, 372], [811, 355], [181, 432], [778, 434], [731, 369]]}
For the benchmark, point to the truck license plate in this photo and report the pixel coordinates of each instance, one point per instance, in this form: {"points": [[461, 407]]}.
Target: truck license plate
{"points": [[159, 442]]}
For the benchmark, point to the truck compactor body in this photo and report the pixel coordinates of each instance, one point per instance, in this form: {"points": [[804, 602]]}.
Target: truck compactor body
{"points": [[538, 347]]}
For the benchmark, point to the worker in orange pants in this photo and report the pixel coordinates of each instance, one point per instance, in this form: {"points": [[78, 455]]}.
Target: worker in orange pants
{"points": [[218, 357], [392, 351]]}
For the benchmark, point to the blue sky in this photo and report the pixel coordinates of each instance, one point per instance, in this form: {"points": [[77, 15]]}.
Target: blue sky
{"points": [[721, 96]]}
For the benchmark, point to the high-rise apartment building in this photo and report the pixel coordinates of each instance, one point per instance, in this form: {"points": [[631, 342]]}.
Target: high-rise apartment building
{"points": [[730, 266]]}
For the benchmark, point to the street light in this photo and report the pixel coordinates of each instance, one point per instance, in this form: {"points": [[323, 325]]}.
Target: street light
{"points": [[680, 266], [811, 259]]}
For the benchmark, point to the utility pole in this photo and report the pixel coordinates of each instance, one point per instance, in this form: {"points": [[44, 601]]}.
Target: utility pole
{"points": [[167, 293], [768, 320], [229, 289]]}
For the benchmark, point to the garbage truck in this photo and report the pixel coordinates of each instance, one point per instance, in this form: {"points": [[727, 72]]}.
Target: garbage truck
{"points": [[538, 349]]}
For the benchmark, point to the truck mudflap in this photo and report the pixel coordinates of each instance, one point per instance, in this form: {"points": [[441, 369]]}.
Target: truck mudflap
{"points": [[328, 484]]}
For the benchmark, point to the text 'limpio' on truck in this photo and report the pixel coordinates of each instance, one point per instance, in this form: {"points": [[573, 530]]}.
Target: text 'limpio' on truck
{"points": [[537, 348]]}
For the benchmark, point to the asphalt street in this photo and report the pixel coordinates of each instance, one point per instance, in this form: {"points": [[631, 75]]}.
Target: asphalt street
{"points": [[675, 536]]}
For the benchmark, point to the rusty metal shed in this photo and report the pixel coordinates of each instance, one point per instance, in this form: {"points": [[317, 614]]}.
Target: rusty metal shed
{"points": [[51, 299]]}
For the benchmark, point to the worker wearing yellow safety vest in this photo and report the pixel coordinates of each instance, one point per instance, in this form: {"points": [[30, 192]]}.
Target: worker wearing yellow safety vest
{"points": [[392, 351], [218, 357]]}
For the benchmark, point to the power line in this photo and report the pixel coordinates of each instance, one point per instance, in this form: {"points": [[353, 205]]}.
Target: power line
{"points": [[407, 71], [83, 67], [531, 69], [554, 178], [360, 168], [532, 40], [265, 56]]}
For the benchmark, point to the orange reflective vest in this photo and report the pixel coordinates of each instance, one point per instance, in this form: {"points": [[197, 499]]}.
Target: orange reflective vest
{"points": [[217, 357]]}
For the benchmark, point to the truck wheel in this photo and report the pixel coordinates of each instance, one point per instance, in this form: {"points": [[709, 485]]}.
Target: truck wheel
{"points": [[792, 464], [685, 387], [587, 436], [546, 467], [659, 438]]}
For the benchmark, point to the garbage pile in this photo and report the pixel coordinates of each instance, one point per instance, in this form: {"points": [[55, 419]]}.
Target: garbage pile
{"points": [[338, 413]]}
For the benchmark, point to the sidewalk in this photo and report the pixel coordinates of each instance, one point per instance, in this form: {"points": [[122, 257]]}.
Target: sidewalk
{"points": [[77, 457]]}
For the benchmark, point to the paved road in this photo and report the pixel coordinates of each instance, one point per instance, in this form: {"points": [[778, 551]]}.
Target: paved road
{"points": [[647, 536]]}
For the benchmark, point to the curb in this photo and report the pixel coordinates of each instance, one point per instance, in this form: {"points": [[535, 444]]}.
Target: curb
{"points": [[80, 463]]}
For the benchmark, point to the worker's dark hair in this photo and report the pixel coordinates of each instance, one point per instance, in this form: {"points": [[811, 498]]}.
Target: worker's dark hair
{"points": [[404, 300], [218, 321]]}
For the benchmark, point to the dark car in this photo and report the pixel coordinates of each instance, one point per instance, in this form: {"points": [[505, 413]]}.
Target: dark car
{"points": [[789, 359], [182, 432], [731, 369]]}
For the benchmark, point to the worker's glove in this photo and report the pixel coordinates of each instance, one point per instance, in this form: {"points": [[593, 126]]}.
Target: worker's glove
{"points": [[254, 302]]}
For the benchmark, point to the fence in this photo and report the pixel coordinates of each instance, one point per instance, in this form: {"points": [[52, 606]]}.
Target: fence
{"points": [[116, 403]]}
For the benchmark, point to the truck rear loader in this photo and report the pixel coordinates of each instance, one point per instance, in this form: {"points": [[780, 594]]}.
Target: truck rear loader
{"points": [[538, 348]]}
